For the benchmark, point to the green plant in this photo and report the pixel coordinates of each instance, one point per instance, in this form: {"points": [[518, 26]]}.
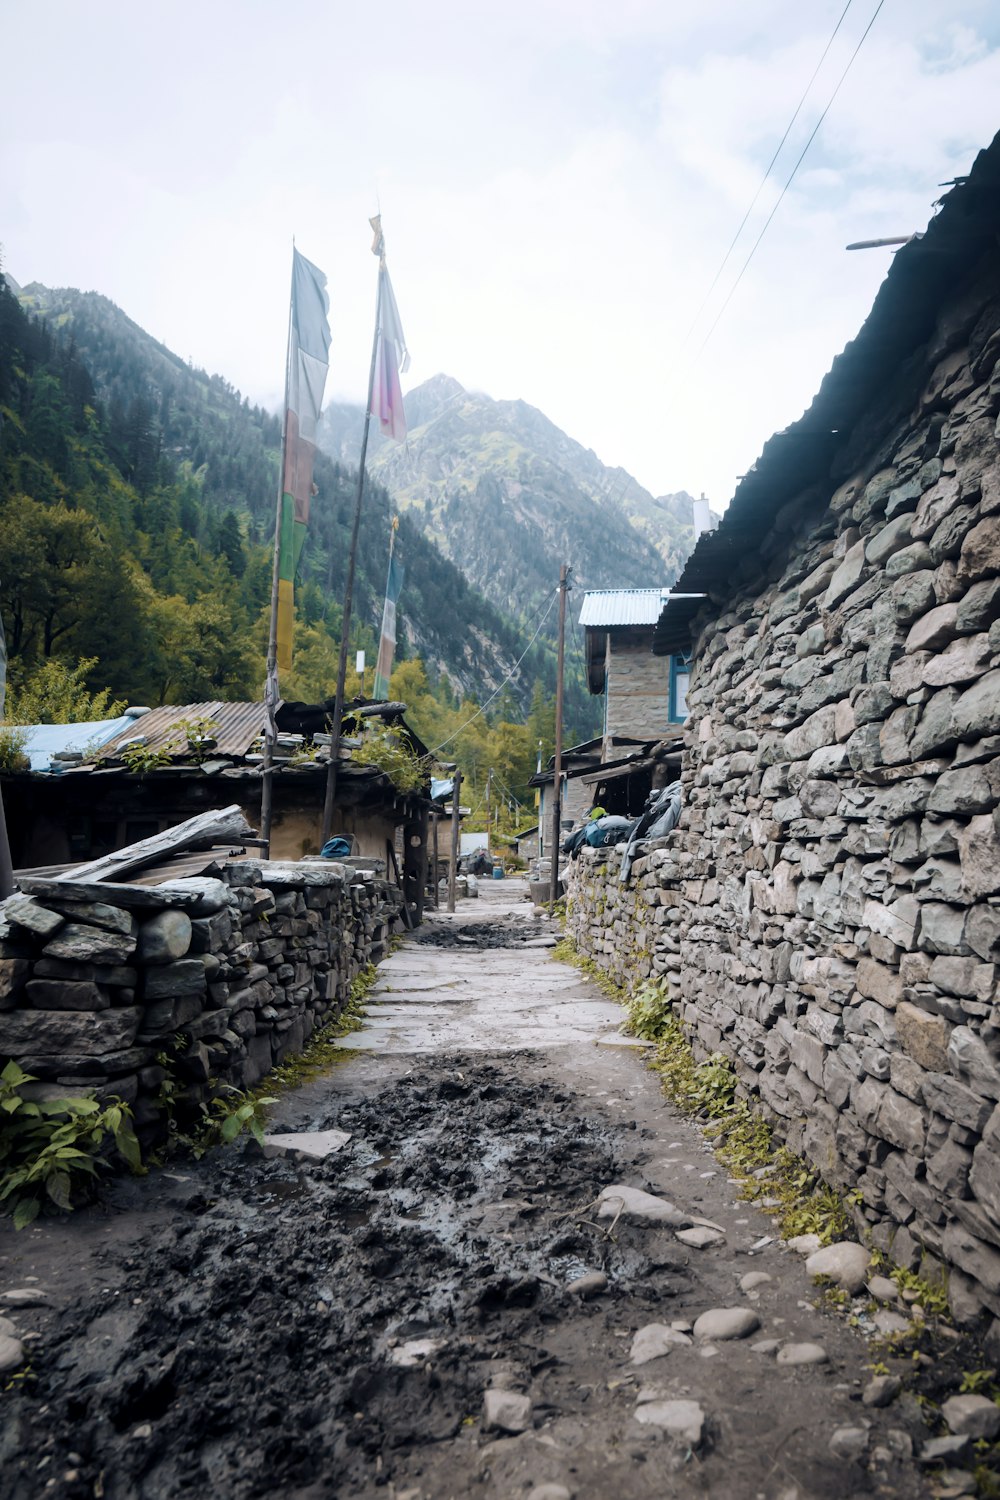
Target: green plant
{"points": [[200, 733], [230, 1116], [50, 1148], [387, 750], [12, 746], [140, 758], [974, 1382]]}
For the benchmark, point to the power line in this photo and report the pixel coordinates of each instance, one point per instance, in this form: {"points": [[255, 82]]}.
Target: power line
{"points": [[767, 173], [480, 711], [791, 178]]}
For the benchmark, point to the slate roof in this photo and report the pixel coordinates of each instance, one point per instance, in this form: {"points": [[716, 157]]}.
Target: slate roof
{"points": [[816, 449]]}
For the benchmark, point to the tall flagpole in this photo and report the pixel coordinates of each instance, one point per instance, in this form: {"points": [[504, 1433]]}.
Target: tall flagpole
{"points": [[271, 677], [345, 629]]}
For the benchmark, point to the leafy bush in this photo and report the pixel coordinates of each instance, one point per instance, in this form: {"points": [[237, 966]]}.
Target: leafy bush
{"points": [[12, 752], [50, 1149], [389, 751]]}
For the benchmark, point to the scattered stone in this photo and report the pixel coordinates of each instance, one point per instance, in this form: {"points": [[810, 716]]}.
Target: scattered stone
{"points": [[25, 1296], [143, 1431], [766, 1346], [506, 1411], [11, 1353], [306, 1145], [803, 1354], [726, 1323], [655, 1341], [889, 1323], [882, 1390], [700, 1237], [940, 1450], [804, 1244], [883, 1289], [683, 1420], [590, 1285], [7, 1327], [754, 1279], [845, 1264], [849, 1443], [952, 1484], [548, 1492], [637, 1207], [974, 1416], [414, 1352]]}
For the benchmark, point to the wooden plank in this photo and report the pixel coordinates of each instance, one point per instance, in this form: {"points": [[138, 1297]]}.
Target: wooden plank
{"points": [[220, 826]]}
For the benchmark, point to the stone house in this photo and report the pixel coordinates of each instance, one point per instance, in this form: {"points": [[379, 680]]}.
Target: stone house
{"points": [[828, 911], [201, 756], [643, 695]]}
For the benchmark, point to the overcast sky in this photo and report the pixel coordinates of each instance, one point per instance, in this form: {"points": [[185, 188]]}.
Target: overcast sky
{"points": [[559, 181]]}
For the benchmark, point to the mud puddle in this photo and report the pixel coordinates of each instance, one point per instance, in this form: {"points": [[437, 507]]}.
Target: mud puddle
{"points": [[257, 1327], [504, 932]]}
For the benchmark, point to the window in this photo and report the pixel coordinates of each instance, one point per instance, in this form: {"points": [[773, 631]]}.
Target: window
{"points": [[680, 672]]}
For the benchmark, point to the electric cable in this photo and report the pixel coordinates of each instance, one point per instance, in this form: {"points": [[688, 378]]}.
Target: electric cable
{"points": [[791, 178], [480, 711], [767, 173]]}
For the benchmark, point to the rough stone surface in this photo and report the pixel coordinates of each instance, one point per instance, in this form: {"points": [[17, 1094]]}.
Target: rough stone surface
{"points": [[638, 1207], [506, 1411], [802, 1354], [654, 1341], [973, 1416], [682, 1420]]}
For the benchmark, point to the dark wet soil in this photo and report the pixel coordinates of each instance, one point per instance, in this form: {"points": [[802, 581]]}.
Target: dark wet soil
{"points": [[235, 1335], [509, 932]]}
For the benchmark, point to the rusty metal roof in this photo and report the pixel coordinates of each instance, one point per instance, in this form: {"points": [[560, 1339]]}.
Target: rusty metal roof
{"points": [[236, 726]]}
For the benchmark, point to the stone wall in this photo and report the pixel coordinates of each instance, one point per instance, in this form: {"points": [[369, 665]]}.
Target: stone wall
{"points": [[839, 852], [637, 685], [226, 977]]}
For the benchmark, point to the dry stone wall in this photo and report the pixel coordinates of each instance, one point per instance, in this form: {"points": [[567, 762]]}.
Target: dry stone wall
{"points": [[194, 984], [839, 853]]}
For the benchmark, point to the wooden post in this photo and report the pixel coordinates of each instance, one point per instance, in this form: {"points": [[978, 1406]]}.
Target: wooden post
{"points": [[453, 861], [345, 628], [415, 864], [557, 779], [489, 778], [6, 866], [435, 820]]}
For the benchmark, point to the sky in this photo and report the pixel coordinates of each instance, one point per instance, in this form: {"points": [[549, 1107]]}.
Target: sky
{"points": [[559, 182]]}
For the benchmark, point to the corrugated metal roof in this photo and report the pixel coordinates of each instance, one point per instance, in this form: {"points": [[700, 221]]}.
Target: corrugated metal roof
{"points": [[605, 607], [237, 725]]}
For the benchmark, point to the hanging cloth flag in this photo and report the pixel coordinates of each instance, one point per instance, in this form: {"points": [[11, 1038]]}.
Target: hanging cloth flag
{"points": [[387, 643], [305, 378], [392, 357]]}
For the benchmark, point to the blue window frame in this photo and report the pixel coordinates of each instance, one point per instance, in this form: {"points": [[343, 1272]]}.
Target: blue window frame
{"points": [[680, 672]]}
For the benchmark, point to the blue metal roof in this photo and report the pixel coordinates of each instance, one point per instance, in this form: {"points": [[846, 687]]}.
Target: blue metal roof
{"points": [[46, 740], [609, 607]]}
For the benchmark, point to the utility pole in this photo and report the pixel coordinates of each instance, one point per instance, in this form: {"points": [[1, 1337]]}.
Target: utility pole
{"points": [[557, 780], [453, 861]]}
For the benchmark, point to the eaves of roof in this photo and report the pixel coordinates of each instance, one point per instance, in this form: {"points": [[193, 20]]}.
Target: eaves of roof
{"points": [[809, 452]]}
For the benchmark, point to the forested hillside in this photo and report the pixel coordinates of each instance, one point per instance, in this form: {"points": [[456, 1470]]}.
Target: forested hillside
{"points": [[136, 508]]}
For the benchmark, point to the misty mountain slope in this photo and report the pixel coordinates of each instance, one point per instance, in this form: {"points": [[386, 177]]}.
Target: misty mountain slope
{"points": [[508, 495], [175, 416]]}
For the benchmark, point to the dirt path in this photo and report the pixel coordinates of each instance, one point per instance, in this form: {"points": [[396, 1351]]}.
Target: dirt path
{"points": [[246, 1327]]}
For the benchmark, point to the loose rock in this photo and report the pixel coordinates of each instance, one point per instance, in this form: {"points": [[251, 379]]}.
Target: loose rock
{"points": [[591, 1285], [976, 1416], [654, 1341], [683, 1420], [802, 1354], [882, 1390], [506, 1411], [700, 1237], [637, 1207], [845, 1264], [726, 1323], [11, 1353], [849, 1443]]}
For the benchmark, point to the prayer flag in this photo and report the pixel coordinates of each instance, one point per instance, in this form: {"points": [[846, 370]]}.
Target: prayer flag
{"points": [[308, 351], [392, 357], [387, 644]]}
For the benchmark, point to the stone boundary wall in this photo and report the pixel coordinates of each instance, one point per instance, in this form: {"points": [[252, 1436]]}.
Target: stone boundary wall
{"points": [[839, 850], [226, 976], [630, 931]]}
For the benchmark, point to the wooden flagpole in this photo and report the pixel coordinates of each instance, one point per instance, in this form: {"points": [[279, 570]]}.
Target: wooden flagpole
{"points": [[345, 629], [271, 676]]}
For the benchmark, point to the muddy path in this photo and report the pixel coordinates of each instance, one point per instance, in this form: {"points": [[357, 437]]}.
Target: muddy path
{"points": [[242, 1327]]}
